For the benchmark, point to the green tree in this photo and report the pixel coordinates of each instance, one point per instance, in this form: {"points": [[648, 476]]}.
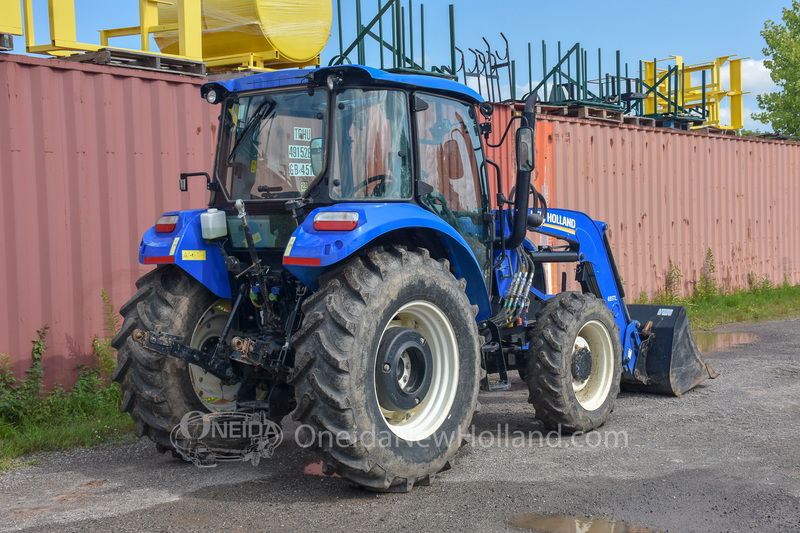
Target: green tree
{"points": [[782, 109]]}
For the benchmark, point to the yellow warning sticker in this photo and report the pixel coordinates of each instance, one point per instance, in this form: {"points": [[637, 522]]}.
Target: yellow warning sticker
{"points": [[174, 245], [289, 247], [194, 255], [253, 166]]}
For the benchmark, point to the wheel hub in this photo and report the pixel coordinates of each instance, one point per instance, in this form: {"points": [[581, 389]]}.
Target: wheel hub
{"points": [[211, 391], [581, 363], [404, 369]]}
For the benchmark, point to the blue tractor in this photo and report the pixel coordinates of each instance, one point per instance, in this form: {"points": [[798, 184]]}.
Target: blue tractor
{"points": [[350, 269]]}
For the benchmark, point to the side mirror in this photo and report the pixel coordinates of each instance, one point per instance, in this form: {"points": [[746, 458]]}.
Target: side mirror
{"points": [[525, 149], [183, 183], [316, 155]]}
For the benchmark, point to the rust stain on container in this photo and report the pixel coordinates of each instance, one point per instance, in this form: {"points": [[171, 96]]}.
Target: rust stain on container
{"points": [[89, 158], [668, 196], [699, 191]]}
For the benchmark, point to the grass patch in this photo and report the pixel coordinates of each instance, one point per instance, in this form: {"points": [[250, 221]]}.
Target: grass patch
{"points": [[711, 306], [745, 305], [33, 419]]}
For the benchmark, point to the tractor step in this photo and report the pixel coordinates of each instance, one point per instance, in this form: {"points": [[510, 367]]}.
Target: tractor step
{"points": [[497, 386]]}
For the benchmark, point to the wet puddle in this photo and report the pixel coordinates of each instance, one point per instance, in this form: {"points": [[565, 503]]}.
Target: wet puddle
{"points": [[577, 524], [708, 341]]}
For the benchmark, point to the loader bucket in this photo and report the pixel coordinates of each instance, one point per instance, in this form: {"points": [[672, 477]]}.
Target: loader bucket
{"points": [[672, 360]]}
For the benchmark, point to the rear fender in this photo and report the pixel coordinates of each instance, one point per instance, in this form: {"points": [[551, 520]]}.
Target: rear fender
{"points": [[186, 248], [310, 253]]}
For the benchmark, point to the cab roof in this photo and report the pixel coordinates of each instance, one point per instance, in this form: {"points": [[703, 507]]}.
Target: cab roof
{"points": [[351, 74]]}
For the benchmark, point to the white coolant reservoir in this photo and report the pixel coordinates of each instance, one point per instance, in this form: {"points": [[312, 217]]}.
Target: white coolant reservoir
{"points": [[213, 224]]}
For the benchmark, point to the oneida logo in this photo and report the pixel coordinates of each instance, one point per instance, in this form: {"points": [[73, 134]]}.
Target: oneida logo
{"points": [[208, 438], [560, 220]]}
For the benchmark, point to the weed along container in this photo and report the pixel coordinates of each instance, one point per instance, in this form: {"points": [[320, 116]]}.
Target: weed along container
{"points": [[290, 31], [212, 224]]}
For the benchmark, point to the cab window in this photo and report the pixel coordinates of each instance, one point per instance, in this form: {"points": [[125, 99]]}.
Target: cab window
{"points": [[369, 156]]}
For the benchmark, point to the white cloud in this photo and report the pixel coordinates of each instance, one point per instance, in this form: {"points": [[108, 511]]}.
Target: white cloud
{"points": [[755, 77]]}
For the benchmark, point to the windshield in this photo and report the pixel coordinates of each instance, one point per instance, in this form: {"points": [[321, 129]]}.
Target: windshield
{"points": [[266, 144]]}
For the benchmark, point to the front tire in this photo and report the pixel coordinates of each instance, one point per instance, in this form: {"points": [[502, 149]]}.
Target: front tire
{"points": [[387, 368], [574, 363]]}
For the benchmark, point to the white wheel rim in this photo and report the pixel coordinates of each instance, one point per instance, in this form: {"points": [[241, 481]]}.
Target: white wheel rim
{"points": [[592, 392], [424, 419], [214, 395]]}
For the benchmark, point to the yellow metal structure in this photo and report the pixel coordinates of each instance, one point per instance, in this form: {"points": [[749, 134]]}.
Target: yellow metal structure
{"points": [[689, 93], [63, 38], [10, 17], [269, 31], [225, 34]]}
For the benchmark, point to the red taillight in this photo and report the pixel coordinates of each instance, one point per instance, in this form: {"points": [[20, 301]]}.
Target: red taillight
{"points": [[336, 221], [159, 260], [302, 261], [166, 223]]}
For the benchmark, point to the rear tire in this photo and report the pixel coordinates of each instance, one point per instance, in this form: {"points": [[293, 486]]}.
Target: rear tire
{"points": [[158, 390], [567, 324], [344, 399]]}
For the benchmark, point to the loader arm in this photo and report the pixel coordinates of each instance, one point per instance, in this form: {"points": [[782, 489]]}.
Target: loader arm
{"points": [[597, 271]]}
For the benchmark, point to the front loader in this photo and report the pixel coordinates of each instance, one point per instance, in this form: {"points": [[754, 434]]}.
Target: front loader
{"points": [[351, 270]]}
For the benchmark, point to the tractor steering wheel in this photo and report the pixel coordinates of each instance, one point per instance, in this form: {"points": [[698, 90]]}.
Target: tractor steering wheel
{"points": [[380, 188]]}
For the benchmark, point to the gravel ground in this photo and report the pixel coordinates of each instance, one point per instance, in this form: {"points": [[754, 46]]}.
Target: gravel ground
{"points": [[725, 457]]}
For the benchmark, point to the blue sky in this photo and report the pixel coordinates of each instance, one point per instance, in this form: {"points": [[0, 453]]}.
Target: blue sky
{"points": [[699, 31]]}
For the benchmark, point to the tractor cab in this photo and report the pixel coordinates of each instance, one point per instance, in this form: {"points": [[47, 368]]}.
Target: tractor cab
{"points": [[352, 134]]}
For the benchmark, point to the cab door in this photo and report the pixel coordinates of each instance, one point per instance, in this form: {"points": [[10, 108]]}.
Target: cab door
{"points": [[450, 170]]}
